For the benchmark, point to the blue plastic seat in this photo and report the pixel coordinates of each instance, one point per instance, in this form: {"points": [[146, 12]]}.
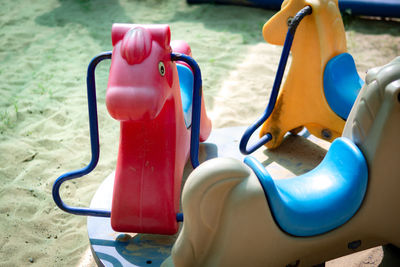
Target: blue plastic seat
{"points": [[322, 199], [186, 81], [341, 84]]}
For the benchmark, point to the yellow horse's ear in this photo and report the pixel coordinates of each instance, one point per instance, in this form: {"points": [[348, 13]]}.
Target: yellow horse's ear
{"points": [[274, 30], [285, 3]]}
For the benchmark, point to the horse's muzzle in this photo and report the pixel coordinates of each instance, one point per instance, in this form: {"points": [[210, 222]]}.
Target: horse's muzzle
{"points": [[130, 103]]}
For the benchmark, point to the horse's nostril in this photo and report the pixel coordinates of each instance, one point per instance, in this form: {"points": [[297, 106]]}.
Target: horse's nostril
{"points": [[398, 97]]}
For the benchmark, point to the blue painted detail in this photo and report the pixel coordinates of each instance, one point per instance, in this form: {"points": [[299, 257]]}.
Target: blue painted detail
{"points": [[275, 88], [109, 259], [341, 84], [322, 199], [196, 103], [141, 250], [146, 250], [94, 142], [186, 81]]}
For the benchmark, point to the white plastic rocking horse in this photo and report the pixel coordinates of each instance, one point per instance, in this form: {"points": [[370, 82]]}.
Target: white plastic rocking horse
{"points": [[237, 215]]}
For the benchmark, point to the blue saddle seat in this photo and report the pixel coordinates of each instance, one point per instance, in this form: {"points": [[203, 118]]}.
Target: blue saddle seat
{"points": [[322, 199], [341, 84], [186, 81]]}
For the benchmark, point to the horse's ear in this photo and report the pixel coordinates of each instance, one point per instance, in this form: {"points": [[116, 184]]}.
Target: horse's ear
{"points": [[274, 30], [118, 31], [161, 34]]}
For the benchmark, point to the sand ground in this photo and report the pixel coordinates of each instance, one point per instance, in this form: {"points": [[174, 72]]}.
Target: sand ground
{"points": [[45, 47]]}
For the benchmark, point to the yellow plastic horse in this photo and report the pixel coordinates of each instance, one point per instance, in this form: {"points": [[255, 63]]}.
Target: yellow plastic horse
{"points": [[301, 102]]}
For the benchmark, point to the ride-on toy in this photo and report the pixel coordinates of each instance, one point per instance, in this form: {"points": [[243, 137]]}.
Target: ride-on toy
{"points": [[322, 83], [162, 114], [237, 215], [307, 214]]}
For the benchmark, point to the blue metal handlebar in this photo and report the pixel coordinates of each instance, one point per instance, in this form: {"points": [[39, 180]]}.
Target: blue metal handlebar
{"points": [[275, 88], [196, 112], [196, 108], [94, 141], [94, 133]]}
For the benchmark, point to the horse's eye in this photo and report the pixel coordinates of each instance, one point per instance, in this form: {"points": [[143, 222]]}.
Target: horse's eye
{"points": [[161, 68]]}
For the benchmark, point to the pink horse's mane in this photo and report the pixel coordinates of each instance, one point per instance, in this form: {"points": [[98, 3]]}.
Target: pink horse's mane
{"points": [[137, 41]]}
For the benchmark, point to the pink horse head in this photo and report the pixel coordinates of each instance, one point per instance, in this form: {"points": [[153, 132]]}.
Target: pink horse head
{"points": [[141, 74]]}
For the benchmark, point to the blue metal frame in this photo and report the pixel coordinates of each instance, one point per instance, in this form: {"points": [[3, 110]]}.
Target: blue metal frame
{"points": [[94, 133], [196, 108], [94, 141], [275, 88]]}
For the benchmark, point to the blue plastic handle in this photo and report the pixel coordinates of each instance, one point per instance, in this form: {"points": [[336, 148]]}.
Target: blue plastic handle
{"points": [[94, 141], [275, 88]]}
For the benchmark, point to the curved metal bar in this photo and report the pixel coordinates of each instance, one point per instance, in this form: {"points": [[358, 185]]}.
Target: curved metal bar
{"points": [[275, 88], [94, 141], [196, 107]]}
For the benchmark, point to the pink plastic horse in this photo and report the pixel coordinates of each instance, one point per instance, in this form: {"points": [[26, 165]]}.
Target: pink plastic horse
{"points": [[144, 94]]}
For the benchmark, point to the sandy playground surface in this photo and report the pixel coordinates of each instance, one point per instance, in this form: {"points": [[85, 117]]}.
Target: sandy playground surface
{"points": [[45, 47]]}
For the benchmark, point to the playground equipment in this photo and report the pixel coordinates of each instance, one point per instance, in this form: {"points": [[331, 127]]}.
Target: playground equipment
{"points": [[237, 215], [144, 94], [322, 75], [378, 8], [163, 117]]}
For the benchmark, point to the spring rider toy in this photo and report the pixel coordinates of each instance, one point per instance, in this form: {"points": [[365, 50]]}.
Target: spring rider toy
{"points": [[237, 215], [144, 94], [322, 83], [155, 92]]}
